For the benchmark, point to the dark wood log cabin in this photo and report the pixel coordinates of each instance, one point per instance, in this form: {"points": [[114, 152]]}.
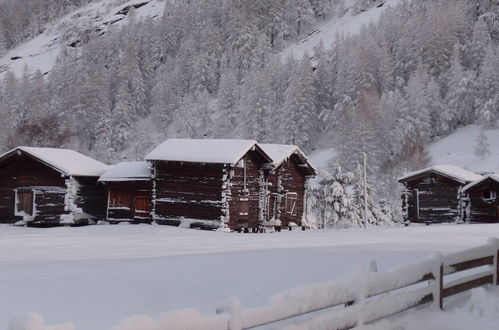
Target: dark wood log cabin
{"points": [[433, 195], [129, 188], [285, 203], [211, 183], [48, 187], [480, 200]]}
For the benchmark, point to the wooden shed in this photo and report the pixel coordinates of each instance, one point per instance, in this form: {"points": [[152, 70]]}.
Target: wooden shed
{"points": [[47, 187], [480, 200], [129, 188], [210, 183], [285, 201], [433, 195]]}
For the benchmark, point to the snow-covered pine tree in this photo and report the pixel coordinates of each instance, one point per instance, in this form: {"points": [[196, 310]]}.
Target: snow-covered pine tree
{"points": [[482, 145], [298, 109], [487, 100], [255, 106], [333, 204]]}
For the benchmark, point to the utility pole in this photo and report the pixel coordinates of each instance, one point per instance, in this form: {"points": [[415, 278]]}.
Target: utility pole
{"points": [[365, 190]]}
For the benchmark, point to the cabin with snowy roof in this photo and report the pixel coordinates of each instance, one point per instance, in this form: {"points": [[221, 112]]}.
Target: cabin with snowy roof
{"points": [[480, 199], [286, 185], [48, 187], [433, 195], [209, 183], [129, 188]]}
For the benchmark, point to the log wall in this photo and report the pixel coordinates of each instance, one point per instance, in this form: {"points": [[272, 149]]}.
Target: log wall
{"points": [[187, 191], [21, 172], [438, 199], [91, 197], [480, 209]]}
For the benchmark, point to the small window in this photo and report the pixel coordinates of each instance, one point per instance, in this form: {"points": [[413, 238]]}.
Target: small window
{"points": [[244, 206], [489, 195], [291, 199]]}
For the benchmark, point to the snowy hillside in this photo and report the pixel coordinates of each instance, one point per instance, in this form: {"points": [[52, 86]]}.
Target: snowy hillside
{"points": [[329, 30], [67, 33], [459, 149]]}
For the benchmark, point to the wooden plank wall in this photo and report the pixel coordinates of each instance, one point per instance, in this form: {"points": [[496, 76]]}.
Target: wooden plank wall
{"points": [[292, 181], [254, 192], [131, 189], [286, 178]]}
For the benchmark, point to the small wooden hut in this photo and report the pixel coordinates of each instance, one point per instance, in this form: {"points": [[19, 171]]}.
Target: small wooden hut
{"points": [[129, 189], [209, 183], [285, 202], [480, 199], [433, 195], [47, 187]]}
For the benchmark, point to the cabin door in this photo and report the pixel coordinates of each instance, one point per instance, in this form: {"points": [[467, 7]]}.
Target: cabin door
{"points": [[142, 207], [24, 203]]}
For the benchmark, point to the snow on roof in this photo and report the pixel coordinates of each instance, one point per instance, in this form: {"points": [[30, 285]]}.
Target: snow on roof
{"points": [[493, 176], [67, 161], [128, 171], [281, 152], [452, 171], [221, 151]]}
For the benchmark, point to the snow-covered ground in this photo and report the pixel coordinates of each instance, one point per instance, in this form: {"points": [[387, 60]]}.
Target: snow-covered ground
{"points": [[459, 149], [95, 276]]}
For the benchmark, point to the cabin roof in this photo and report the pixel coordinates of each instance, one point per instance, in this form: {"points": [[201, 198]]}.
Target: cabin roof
{"points": [[282, 152], [451, 171], [217, 151], [494, 177], [66, 161], [127, 171]]}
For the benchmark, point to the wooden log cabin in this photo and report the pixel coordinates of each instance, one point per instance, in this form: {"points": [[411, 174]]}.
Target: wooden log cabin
{"points": [[433, 195], [480, 200], [129, 189], [48, 187], [286, 185], [211, 183]]}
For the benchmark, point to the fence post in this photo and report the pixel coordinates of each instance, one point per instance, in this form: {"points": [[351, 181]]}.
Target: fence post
{"points": [[495, 243], [234, 309], [438, 281], [441, 286]]}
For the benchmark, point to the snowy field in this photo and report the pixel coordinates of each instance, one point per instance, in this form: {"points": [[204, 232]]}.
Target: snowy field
{"points": [[96, 276]]}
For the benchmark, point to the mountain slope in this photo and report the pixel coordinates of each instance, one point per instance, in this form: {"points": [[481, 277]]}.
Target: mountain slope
{"points": [[65, 34], [329, 30]]}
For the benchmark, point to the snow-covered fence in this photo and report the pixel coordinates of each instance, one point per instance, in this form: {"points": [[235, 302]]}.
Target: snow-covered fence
{"points": [[371, 295], [483, 259]]}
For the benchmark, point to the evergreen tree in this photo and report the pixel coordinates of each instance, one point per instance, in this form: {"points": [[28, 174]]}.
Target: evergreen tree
{"points": [[482, 145], [299, 105], [333, 204]]}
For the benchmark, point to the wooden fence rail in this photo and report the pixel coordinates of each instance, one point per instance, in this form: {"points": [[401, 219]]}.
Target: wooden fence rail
{"points": [[368, 297]]}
